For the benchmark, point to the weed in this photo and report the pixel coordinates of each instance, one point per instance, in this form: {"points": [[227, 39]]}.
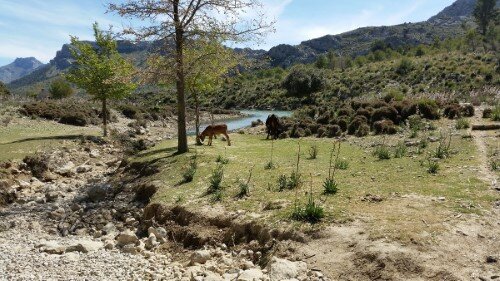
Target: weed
{"points": [[179, 199], [415, 123], [400, 150], [221, 160], [313, 152], [270, 164], [282, 182], [216, 179], [432, 167], [245, 186], [495, 165], [294, 181], [190, 171], [382, 152], [342, 164], [216, 196], [495, 113], [311, 212], [443, 149], [414, 134], [462, 123], [330, 186]]}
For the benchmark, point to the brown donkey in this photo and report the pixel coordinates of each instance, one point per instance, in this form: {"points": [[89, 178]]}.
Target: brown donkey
{"points": [[214, 130]]}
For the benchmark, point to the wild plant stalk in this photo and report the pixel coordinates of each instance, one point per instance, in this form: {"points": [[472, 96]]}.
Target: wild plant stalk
{"points": [[270, 164]]}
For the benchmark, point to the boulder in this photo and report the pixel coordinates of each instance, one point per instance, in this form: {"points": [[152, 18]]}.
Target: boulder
{"points": [[200, 256], [67, 169], [251, 275], [85, 246], [127, 237], [52, 247], [281, 269]]}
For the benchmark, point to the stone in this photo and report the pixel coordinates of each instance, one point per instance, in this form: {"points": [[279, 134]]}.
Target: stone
{"points": [[281, 269], [109, 229], [159, 232], [51, 196], [127, 237], [66, 170], [83, 169], [151, 242], [52, 247], [200, 256], [94, 153], [130, 249], [98, 192], [251, 275], [23, 184], [85, 246]]}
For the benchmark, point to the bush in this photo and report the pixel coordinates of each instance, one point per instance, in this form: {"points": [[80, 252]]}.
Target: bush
{"points": [[73, 118], [366, 112], [216, 179], [303, 81], [345, 111], [334, 131], [467, 110], [400, 150], [452, 111], [432, 167], [495, 114], [428, 109], [386, 112], [415, 122], [462, 123], [330, 186], [60, 89], [144, 192], [355, 124], [385, 127], [487, 112], [129, 111], [382, 152], [363, 130], [343, 123], [37, 164], [405, 67]]}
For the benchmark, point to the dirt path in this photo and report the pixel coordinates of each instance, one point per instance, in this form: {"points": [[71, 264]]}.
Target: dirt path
{"points": [[484, 169]]}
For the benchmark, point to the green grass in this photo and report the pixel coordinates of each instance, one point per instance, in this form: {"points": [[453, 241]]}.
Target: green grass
{"points": [[366, 174], [29, 136]]}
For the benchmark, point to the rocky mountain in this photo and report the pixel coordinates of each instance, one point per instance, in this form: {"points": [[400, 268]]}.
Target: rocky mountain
{"points": [[446, 24], [19, 68]]}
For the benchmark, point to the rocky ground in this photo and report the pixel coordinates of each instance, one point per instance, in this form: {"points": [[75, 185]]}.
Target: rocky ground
{"points": [[63, 220]]}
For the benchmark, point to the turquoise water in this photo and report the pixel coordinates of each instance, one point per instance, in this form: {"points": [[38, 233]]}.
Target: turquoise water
{"points": [[246, 121]]}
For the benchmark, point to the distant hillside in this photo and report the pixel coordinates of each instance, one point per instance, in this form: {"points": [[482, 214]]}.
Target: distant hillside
{"points": [[19, 68], [446, 24]]}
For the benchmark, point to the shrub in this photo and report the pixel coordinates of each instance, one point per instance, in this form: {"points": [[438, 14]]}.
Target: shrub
{"points": [[495, 114], [313, 152], [355, 124], [345, 112], [364, 112], [37, 164], [216, 179], [129, 111], [343, 123], [330, 186], [452, 111], [467, 110], [363, 130], [189, 172], [429, 109], [386, 112], [342, 164], [294, 181], [462, 123], [303, 81], [321, 132], [311, 213], [244, 190], [297, 132], [382, 152], [60, 89], [432, 167], [385, 127], [334, 131], [405, 67], [282, 182], [144, 192], [415, 122], [487, 112], [443, 149], [400, 150]]}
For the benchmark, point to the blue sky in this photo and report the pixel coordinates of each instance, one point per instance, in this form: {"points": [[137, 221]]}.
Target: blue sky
{"points": [[38, 28]]}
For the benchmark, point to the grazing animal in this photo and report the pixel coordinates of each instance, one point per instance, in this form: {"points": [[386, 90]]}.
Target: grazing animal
{"points": [[213, 130], [273, 126]]}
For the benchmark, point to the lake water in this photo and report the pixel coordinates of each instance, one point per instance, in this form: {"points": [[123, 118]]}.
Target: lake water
{"points": [[246, 121]]}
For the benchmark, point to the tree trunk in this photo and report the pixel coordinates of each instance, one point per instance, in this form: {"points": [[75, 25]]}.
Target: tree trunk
{"points": [[104, 117], [182, 144], [197, 118]]}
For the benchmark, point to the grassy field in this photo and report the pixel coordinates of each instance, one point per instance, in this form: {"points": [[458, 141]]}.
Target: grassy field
{"points": [[412, 198], [25, 136]]}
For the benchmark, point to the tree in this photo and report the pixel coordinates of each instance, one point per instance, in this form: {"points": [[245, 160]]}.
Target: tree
{"points": [[4, 91], [321, 61], [100, 70], [200, 78], [182, 22], [60, 89], [484, 13]]}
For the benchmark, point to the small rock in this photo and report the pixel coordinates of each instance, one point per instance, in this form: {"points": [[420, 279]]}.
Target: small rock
{"points": [[200, 256], [251, 275], [127, 237], [52, 247], [83, 169], [281, 269], [85, 246], [94, 153], [491, 259]]}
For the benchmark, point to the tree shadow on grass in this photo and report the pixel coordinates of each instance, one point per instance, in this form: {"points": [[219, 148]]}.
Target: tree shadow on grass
{"points": [[64, 137]]}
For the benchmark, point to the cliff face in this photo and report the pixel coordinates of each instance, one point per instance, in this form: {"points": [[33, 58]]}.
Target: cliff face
{"points": [[19, 68]]}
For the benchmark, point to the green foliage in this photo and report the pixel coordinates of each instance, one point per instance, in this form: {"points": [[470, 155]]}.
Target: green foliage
{"points": [[60, 89], [495, 164], [289, 183], [432, 167], [400, 150], [303, 81], [415, 122], [100, 70], [216, 179], [495, 113], [311, 212], [190, 171], [405, 67], [221, 160], [462, 123], [282, 182], [4, 91], [484, 13], [313, 152], [382, 152], [341, 164], [443, 149], [330, 186]]}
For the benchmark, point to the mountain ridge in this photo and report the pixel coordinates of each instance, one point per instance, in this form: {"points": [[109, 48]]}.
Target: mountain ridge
{"points": [[18, 68]]}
